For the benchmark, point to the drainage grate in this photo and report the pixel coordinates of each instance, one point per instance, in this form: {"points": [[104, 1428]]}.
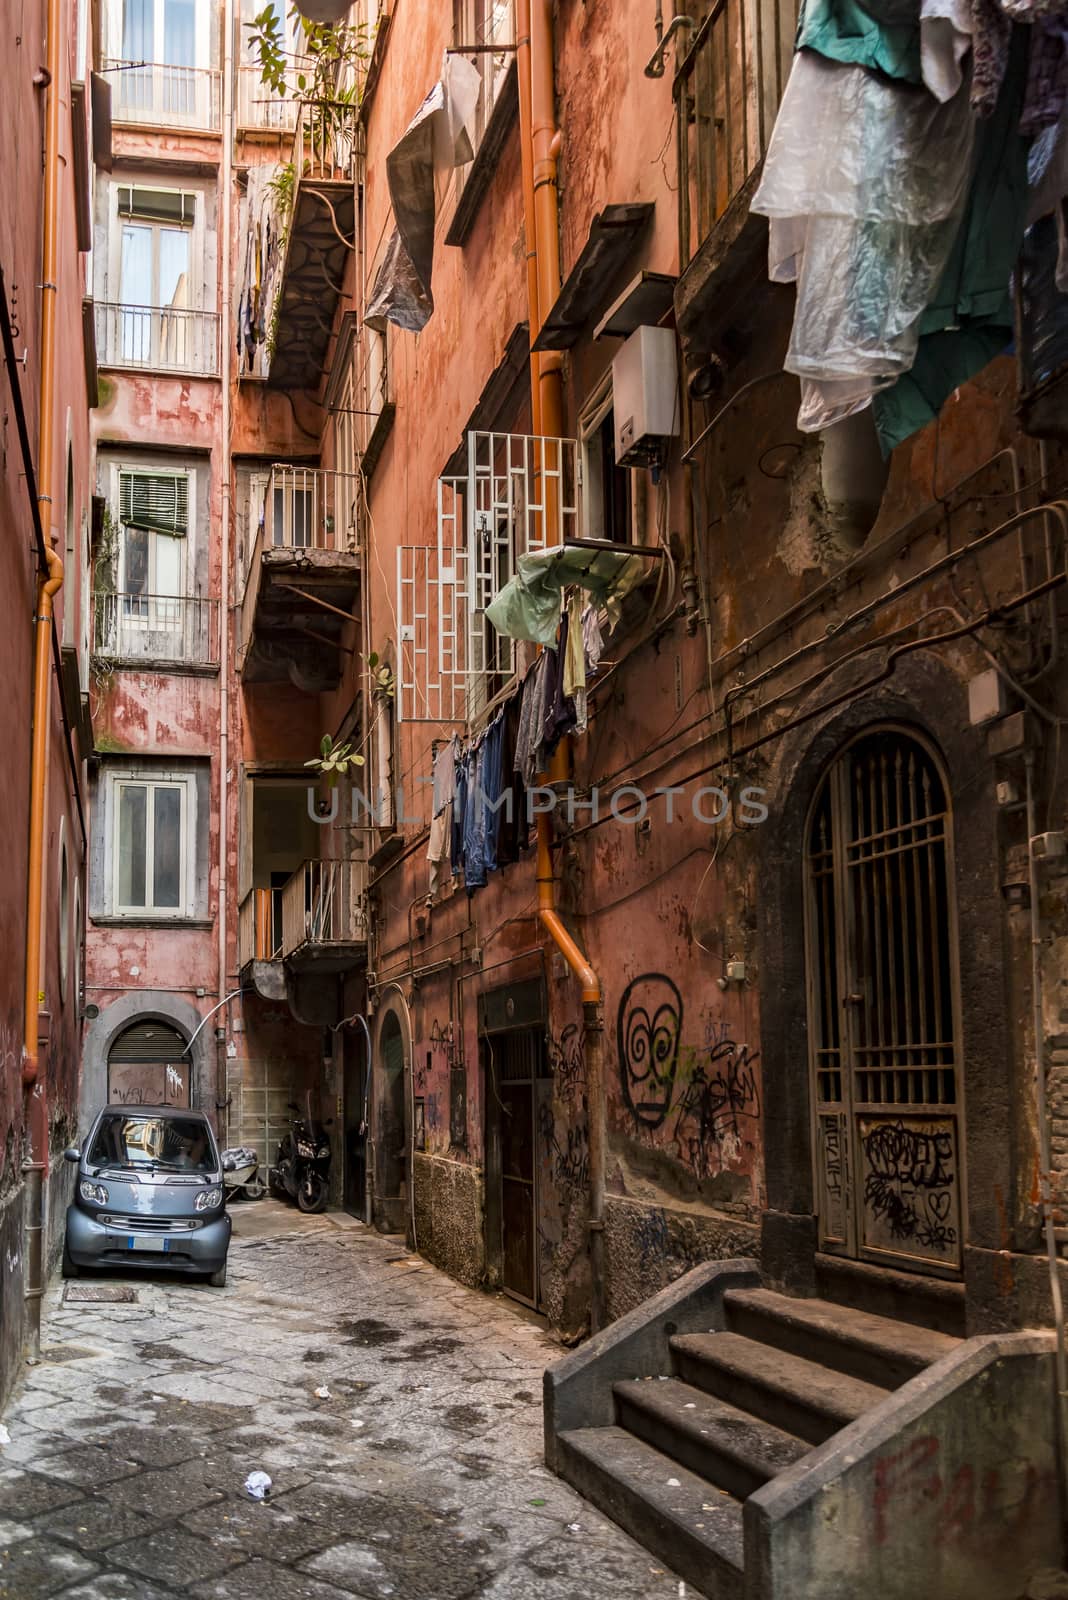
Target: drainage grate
{"points": [[110, 1293]]}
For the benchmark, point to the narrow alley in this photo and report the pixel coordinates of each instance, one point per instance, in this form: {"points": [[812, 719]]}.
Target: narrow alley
{"points": [[396, 1413]]}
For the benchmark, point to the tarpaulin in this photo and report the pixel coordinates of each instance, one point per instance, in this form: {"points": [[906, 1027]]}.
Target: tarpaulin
{"points": [[528, 607], [436, 140]]}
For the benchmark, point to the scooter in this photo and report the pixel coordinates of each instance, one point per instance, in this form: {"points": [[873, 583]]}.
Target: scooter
{"points": [[240, 1170], [302, 1170]]}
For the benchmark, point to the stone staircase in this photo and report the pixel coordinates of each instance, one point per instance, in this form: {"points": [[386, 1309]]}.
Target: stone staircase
{"points": [[737, 1406]]}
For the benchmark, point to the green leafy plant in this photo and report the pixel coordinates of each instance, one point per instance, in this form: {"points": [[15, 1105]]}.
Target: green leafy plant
{"points": [[329, 57], [382, 680], [334, 760]]}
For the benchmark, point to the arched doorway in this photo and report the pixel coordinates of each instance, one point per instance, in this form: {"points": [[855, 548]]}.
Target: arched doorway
{"points": [[391, 1132], [148, 1066], [884, 1036]]}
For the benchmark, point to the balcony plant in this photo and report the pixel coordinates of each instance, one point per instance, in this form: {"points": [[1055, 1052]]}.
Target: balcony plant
{"points": [[328, 77]]}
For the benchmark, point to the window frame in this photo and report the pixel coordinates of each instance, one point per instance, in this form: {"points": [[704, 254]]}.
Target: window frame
{"points": [[197, 285], [594, 494], [185, 784], [119, 469]]}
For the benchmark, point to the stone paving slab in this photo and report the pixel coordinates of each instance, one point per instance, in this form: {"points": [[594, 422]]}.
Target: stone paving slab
{"points": [[417, 1476]]}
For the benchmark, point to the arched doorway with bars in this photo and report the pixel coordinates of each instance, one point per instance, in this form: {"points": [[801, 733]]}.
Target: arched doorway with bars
{"points": [[885, 1072], [148, 1064]]}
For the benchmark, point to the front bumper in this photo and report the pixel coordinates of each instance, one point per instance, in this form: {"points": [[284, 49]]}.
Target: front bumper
{"points": [[95, 1244]]}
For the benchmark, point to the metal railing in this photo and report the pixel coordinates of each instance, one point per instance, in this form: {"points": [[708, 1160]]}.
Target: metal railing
{"points": [[727, 92], [256, 933], [259, 109], [326, 141], [311, 508], [153, 94], [325, 903], [158, 338], [183, 629]]}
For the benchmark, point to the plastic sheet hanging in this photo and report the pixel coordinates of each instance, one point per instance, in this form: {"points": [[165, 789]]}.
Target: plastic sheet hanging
{"points": [[864, 185], [528, 607], [436, 140]]}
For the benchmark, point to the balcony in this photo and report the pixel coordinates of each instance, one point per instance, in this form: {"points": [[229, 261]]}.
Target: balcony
{"points": [[303, 577], [316, 923], [260, 111], [324, 916], [157, 339], [321, 233], [727, 92], [150, 94], [169, 632]]}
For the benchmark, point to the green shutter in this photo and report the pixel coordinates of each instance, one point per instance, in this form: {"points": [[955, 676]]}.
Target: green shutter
{"points": [[157, 501]]}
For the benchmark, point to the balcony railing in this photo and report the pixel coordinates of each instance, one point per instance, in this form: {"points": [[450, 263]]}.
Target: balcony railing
{"points": [[183, 629], [728, 88], [326, 141], [325, 903], [155, 95], [260, 110], [309, 508], [157, 338], [256, 921]]}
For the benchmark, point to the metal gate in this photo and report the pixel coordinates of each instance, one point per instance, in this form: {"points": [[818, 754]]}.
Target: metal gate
{"points": [[883, 1014], [148, 1066]]}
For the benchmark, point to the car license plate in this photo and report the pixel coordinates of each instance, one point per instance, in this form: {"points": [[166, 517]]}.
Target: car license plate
{"points": [[147, 1241]]}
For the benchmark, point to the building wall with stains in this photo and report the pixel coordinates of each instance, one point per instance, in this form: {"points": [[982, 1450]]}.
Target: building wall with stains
{"points": [[67, 492], [743, 663]]}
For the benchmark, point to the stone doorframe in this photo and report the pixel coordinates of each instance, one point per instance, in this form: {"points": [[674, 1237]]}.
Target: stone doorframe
{"points": [[926, 695], [145, 1005]]}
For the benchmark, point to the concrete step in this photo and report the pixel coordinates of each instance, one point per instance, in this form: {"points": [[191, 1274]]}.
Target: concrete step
{"points": [[876, 1349], [801, 1397], [902, 1296], [731, 1449], [691, 1527]]}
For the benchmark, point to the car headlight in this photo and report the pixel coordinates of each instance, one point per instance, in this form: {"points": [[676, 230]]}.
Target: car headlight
{"points": [[304, 1148], [208, 1199], [94, 1192]]}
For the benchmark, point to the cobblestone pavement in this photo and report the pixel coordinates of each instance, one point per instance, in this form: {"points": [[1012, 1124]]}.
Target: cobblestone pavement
{"points": [[418, 1474]]}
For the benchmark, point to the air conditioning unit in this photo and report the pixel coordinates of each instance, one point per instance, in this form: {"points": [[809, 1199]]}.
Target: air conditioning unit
{"points": [[645, 397]]}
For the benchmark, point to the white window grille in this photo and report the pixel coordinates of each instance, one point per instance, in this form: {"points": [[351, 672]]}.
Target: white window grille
{"points": [[519, 496]]}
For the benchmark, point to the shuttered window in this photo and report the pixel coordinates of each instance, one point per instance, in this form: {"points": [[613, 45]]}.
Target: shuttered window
{"points": [[155, 501]]}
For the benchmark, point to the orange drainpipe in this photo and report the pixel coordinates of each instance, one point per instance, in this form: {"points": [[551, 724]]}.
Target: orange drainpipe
{"points": [[541, 142], [48, 585]]}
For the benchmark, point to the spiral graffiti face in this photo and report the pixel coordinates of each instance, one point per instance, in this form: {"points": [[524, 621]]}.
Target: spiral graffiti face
{"points": [[648, 1032]]}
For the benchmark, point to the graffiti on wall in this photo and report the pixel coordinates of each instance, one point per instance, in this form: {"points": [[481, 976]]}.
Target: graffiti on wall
{"points": [[649, 1031], [712, 1091], [722, 1094], [910, 1181], [567, 1160], [567, 1062]]}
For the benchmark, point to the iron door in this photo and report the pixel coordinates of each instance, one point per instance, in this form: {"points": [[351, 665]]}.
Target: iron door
{"points": [[883, 1015]]}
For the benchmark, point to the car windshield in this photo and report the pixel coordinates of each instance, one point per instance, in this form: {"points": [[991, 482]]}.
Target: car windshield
{"points": [[163, 1143]]}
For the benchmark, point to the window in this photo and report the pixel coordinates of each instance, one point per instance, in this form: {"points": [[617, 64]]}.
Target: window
{"points": [[487, 29], [606, 486], [155, 277], [154, 525], [149, 858]]}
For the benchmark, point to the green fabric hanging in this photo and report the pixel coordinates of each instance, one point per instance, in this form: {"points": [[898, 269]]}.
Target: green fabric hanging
{"points": [[528, 607], [885, 37]]}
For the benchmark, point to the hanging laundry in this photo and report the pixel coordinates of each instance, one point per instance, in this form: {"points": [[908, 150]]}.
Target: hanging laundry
{"points": [[491, 789], [560, 715], [1047, 76], [945, 39], [884, 38], [444, 773], [512, 826], [864, 184], [968, 320], [592, 639], [529, 748], [574, 653], [439, 849]]}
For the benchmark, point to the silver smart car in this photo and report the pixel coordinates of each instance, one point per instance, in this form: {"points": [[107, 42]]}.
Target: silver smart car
{"points": [[149, 1194]]}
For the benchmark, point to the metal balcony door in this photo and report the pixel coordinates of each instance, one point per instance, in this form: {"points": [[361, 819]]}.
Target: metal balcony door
{"points": [[884, 1035]]}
